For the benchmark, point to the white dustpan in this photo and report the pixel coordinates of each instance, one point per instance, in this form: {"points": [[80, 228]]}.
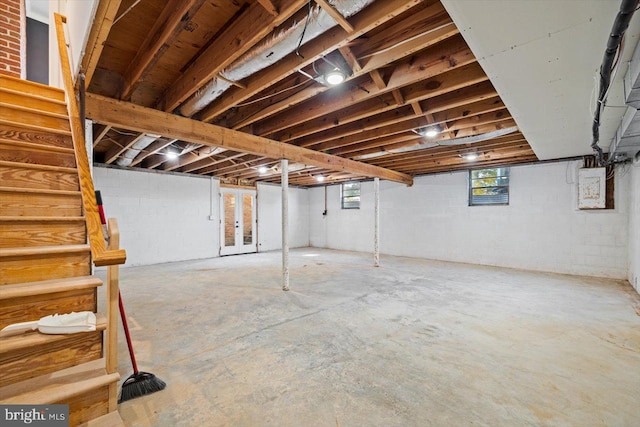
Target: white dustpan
{"points": [[71, 323]]}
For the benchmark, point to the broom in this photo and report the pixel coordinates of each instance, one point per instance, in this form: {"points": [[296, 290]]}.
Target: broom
{"points": [[139, 383]]}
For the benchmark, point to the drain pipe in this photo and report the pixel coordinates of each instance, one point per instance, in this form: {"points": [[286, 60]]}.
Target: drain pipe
{"points": [[620, 25]]}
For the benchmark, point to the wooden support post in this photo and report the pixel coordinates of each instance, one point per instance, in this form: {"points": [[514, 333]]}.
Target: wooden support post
{"points": [[285, 224], [376, 232]]}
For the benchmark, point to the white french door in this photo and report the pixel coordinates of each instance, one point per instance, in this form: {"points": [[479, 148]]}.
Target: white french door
{"points": [[237, 221]]}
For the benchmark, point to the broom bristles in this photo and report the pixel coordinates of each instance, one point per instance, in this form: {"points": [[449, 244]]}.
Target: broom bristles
{"points": [[140, 384]]}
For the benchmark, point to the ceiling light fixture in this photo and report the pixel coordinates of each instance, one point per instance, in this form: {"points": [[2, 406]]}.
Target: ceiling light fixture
{"points": [[335, 77], [171, 155], [431, 131], [469, 156], [320, 178], [262, 170]]}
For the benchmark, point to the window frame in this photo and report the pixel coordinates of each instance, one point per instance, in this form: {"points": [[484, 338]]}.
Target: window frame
{"points": [[507, 186], [342, 195]]}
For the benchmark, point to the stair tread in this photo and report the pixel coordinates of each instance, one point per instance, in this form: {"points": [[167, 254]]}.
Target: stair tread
{"points": [[39, 191], [33, 145], [36, 96], [59, 386], [33, 110], [24, 218], [35, 338], [33, 89], [20, 290], [42, 250], [36, 166], [112, 419]]}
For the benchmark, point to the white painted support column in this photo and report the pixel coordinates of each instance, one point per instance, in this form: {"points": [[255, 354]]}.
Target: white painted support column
{"points": [[285, 224], [376, 229]]}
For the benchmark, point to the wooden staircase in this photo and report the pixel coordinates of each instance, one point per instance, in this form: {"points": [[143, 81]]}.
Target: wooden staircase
{"points": [[46, 258]]}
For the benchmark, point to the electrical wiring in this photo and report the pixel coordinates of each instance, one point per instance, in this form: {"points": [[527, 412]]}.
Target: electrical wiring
{"points": [[304, 30], [620, 25]]}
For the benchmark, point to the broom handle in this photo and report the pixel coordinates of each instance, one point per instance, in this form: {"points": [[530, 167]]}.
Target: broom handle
{"points": [[126, 333]]}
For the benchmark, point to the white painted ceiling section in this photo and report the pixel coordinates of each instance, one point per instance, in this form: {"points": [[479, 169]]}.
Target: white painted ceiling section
{"points": [[542, 57]]}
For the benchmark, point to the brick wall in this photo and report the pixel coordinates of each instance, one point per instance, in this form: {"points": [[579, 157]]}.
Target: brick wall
{"points": [[10, 31]]}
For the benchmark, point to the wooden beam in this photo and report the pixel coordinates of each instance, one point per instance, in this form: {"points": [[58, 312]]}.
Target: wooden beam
{"points": [[115, 152], [269, 7], [337, 16], [175, 15], [397, 116], [134, 117], [376, 77], [397, 95], [261, 110], [324, 106], [372, 16], [102, 22], [350, 58], [417, 109], [316, 129], [99, 132], [237, 39], [153, 148]]}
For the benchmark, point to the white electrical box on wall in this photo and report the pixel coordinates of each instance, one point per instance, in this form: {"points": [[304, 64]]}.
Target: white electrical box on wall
{"points": [[592, 188]]}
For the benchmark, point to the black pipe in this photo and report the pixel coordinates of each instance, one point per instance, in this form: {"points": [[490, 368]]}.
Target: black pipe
{"points": [[620, 25]]}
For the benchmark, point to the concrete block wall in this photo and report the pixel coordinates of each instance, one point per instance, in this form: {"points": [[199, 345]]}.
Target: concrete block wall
{"points": [[165, 217], [541, 229], [270, 217], [162, 217], [634, 227], [12, 23]]}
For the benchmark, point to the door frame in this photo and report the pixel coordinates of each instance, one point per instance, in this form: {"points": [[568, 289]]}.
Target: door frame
{"points": [[239, 247]]}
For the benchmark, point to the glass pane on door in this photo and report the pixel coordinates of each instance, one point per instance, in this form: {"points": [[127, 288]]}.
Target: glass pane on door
{"points": [[247, 219], [229, 219]]}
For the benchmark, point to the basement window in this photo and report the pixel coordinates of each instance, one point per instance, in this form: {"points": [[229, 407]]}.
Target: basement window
{"points": [[489, 187], [350, 195]]}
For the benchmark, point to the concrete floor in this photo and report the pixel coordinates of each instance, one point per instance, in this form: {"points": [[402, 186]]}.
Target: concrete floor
{"points": [[412, 343]]}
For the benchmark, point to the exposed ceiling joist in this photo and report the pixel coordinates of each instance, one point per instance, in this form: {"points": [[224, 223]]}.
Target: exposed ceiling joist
{"points": [[175, 15], [103, 20], [130, 116], [341, 20], [259, 111], [331, 40], [226, 49]]}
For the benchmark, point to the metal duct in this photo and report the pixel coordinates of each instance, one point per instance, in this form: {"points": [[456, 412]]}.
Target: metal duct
{"points": [[127, 158], [447, 142], [267, 53]]}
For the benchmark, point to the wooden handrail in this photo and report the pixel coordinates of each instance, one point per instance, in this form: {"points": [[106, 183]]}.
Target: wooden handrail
{"points": [[113, 290], [99, 253]]}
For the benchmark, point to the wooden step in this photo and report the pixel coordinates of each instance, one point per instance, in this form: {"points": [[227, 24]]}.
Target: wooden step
{"points": [[85, 388], [24, 302], [32, 88], [39, 202], [33, 120], [42, 104], [28, 231], [28, 152], [112, 419], [18, 265], [33, 354], [17, 133], [25, 175]]}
